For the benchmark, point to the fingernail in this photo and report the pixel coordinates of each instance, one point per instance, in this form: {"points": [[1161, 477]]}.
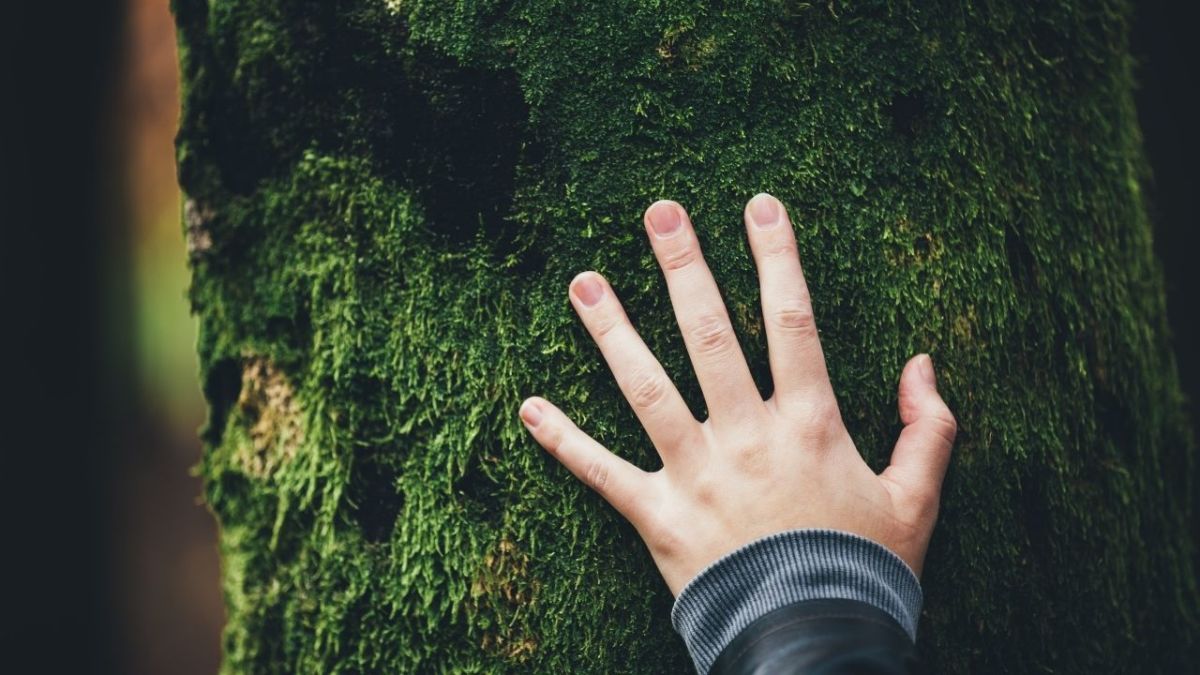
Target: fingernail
{"points": [[926, 366], [588, 290], [764, 210], [531, 413], [664, 218]]}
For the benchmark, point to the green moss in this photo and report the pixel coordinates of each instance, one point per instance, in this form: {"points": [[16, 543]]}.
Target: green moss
{"points": [[393, 197]]}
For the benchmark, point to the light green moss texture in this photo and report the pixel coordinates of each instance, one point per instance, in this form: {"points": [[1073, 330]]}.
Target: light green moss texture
{"points": [[386, 200]]}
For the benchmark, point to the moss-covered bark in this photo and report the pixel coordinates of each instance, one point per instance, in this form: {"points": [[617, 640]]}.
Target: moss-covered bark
{"points": [[387, 198]]}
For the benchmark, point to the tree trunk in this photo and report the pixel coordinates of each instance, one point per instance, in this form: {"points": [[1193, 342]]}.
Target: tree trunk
{"points": [[387, 199]]}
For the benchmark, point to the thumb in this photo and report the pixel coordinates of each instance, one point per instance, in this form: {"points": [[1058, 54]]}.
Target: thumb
{"points": [[923, 450]]}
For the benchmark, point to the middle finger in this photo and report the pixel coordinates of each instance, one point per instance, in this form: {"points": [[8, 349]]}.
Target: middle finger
{"points": [[721, 369]]}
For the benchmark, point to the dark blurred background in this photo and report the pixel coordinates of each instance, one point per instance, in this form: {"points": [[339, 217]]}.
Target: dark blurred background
{"points": [[115, 561]]}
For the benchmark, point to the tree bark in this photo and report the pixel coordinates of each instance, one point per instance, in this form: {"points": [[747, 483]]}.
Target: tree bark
{"points": [[387, 198]]}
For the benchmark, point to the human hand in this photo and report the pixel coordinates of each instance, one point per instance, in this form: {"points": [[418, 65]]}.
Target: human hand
{"points": [[753, 467]]}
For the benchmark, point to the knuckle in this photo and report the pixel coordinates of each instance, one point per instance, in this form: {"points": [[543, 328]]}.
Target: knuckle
{"points": [[712, 334], [783, 247], [680, 257], [944, 425], [751, 457], [795, 318], [605, 325], [647, 389], [596, 476]]}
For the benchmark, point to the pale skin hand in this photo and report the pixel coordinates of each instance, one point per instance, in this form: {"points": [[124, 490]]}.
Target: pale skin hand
{"points": [[753, 467]]}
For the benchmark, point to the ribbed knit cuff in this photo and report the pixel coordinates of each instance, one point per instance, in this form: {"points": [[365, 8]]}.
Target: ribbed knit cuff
{"points": [[786, 568]]}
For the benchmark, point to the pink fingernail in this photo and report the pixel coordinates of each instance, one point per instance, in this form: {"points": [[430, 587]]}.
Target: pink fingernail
{"points": [[664, 218], [764, 210], [531, 413], [588, 290]]}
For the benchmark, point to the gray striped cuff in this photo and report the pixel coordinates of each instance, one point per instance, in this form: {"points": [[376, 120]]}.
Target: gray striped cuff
{"points": [[786, 568]]}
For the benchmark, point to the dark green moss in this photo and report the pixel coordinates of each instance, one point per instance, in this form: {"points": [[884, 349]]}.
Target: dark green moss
{"points": [[389, 203]]}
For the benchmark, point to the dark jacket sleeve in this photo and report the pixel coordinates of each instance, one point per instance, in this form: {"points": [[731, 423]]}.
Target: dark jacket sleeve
{"points": [[802, 601]]}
